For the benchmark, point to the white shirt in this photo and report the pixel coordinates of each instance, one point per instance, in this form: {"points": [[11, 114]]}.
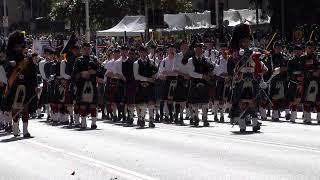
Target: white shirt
{"points": [[63, 70], [213, 55], [41, 69], [221, 67], [136, 74], [109, 66], [117, 66], [166, 67], [191, 70]]}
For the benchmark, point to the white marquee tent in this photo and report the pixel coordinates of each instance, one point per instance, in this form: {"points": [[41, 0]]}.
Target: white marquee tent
{"points": [[135, 25]]}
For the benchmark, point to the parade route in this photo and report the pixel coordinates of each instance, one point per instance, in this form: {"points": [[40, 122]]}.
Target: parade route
{"points": [[280, 151]]}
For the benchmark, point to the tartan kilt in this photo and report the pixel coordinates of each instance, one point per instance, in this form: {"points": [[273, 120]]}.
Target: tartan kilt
{"points": [[51, 92], [199, 91], [311, 93], [182, 90], [100, 94], [159, 90], [44, 97], [170, 87], [295, 91], [65, 92], [130, 92], [145, 92], [115, 91], [219, 94]]}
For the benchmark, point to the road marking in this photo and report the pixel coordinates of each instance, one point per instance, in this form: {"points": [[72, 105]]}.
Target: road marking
{"points": [[115, 169], [275, 144]]}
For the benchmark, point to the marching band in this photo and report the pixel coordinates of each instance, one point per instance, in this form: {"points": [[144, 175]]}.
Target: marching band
{"points": [[167, 83]]}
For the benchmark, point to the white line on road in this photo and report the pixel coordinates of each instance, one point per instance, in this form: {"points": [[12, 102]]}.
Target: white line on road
{"points": [[275, 144], [117, 170]]}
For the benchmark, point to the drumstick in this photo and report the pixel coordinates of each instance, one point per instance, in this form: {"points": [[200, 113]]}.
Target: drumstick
{"points": [[274, 35], [310, 38]]}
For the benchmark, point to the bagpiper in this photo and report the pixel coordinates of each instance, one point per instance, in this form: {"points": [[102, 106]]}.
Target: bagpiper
{"points": [[311, 97], [22, 83], [85, 74], [144, 73], [296, 79], [246, 68], [198, 69]]}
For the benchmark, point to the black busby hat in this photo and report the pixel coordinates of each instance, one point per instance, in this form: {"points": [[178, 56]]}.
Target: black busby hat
{"points": [[71, 44], [240, 32], [16, 37]]}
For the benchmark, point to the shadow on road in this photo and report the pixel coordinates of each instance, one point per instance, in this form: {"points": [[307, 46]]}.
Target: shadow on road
{"points": [[245, 133], [13, 139]]}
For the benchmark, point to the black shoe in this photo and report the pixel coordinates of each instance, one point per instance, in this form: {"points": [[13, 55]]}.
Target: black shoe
{"points": [[166, 119], [141, 123], [130, 121], [151, 124], [206, 124], [171, 120], [308, 123], [157, 119], [196, 122], [40, 116], [181, 122], [64, 123], [8, 129], [77, 126], [191, 121], [242, 130], [275, 120], [216, 119], [83, 128], [27, 135], [16, 135], [288, 117], [115, 119], [176, 121], [319, 122], [256, 128], [104, 117], [93, 126], [222, 118]]}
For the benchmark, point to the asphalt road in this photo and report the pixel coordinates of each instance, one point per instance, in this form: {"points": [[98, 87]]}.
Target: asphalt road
{"points": [[280, 151]]}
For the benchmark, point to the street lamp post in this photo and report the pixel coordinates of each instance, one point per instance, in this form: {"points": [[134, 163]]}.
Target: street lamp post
{"points": [[87, 21]]}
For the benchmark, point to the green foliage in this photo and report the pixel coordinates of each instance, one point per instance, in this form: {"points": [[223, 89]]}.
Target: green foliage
{"points": [[106, 13]]}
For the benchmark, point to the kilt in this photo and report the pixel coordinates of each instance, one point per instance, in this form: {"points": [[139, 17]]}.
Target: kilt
{"points": [[199, 91], [44, 98], [311, 93], [182, 90], [86, 92], [63, 92], [295, 89], [100, 94], [278, 89], [219, 94], [51, 92], [145, 92], [130, 92], [170, 87], [212, 87], [159, 90], [115, 91]]}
